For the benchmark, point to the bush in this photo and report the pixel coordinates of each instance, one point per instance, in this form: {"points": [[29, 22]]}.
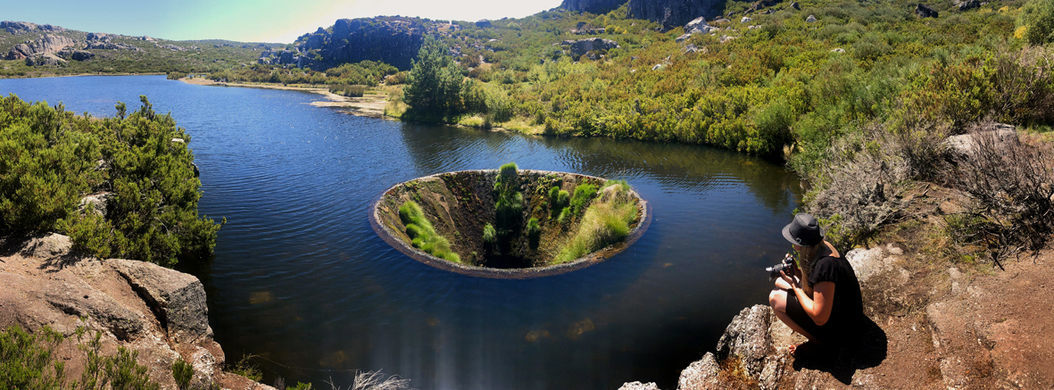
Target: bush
{"points": [[50, 158], [508, 206], [422, 235], [604, 223], [558, 200], [1038, 17], [245, 367], [583, 194], [182, 372], [26, 360], [534, 233], [1013, 185], [348, 90]]}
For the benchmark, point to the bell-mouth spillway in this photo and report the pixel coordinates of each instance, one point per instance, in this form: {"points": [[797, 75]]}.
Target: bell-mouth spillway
{"points": [[530, 224]]}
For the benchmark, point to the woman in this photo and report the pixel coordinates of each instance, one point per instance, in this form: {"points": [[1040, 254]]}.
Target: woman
{"points": [[826, 305]]}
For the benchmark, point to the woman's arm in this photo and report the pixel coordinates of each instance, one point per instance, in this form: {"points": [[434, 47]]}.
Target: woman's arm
{"points": [[819, 306]]}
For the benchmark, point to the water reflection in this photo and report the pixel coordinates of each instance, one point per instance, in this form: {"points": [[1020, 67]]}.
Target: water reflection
{"points": [[301, 280]]}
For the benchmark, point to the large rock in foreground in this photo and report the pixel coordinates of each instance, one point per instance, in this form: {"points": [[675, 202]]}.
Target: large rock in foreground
{"points": [[156, 312]]}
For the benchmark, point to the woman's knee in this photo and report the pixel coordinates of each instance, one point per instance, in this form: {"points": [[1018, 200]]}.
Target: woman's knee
{"points": [[778, 300]]}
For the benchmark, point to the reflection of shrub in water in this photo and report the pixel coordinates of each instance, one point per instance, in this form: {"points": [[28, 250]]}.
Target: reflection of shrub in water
{"points": [[422, 235]]}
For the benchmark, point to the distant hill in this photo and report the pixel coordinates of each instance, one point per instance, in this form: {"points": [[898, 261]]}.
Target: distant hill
{"points": [[28, 49]]}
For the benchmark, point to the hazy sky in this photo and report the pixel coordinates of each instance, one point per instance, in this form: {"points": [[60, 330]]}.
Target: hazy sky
{"points": [[246, 20]]}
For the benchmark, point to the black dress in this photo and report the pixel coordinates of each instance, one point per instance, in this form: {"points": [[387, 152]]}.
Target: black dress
{"points": [[848, 309]]}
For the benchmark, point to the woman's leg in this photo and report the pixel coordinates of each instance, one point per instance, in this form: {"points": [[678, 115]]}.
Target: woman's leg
{"points": [[778, 301]]}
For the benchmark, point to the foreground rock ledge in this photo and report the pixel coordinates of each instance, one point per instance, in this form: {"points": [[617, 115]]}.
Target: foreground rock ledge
{"points": [[459, 204], [158, 312]]}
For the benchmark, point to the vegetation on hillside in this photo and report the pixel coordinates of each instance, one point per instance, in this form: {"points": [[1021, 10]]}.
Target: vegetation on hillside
{"points": [[137, 165], [148, 56]]}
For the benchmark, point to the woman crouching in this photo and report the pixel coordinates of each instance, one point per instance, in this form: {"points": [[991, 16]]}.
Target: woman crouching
{"points": [[825, 306]]}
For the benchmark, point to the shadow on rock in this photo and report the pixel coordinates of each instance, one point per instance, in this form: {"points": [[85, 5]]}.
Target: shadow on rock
{"points": [[866, 349]]}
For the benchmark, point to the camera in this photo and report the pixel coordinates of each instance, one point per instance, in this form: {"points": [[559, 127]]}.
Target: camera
{"points": [[785, 265]]}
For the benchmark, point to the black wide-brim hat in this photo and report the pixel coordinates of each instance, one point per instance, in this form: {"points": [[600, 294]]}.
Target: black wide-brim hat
{"points": [[803, 230]]}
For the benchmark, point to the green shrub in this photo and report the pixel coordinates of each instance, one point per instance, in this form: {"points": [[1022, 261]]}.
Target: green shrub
{"points": [[534, 233], [27, 361], [245, 367], [50, 158], [355, 90], [508, 206], [182, 372], [1038, 18], [422, 235], [604, 223], [583, 194], [123, 372]]}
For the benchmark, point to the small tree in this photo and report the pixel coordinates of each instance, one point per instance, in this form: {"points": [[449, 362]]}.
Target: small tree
{"points": [[435, 83]]}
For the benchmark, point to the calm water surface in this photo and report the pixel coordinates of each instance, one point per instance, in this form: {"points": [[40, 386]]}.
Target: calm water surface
{"points": [[301, 280]]}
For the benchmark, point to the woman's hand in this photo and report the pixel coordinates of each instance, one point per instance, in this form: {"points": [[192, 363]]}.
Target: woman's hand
{"points": [[794, 284]]}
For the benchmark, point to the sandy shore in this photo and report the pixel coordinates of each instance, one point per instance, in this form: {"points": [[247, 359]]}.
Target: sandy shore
{"points": [[369, 105]]}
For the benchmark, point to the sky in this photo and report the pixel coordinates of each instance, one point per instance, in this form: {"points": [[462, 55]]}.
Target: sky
{"points": [[279, 21]]}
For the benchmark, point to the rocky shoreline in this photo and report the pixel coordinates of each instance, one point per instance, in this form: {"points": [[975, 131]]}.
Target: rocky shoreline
{"points": [[931, 326], [157, 312]]}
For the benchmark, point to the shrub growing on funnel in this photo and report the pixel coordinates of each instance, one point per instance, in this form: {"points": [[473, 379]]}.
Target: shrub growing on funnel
{"points": [[422, 235]]}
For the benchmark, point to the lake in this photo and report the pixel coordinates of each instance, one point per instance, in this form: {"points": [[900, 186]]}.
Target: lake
{"points": [[302, 282]]}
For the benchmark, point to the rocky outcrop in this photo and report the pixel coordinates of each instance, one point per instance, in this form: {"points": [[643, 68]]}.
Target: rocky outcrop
{"points": [[672, 13], [925, 12], [965, 5], [696, 26], [23, 27], [967, 144], [593, 48], [176, 298], [593, 6], [669, 13], [76, 55], [393, 40], [760, 4], [47, 45], [157, 312]]}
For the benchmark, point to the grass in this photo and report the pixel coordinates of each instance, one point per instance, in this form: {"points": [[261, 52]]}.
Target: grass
{"points": [[583, 194], [605, 222], [422, 235]]}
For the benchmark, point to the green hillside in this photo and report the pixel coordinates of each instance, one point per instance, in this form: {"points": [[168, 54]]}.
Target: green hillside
{"points": [[136, 55]]}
